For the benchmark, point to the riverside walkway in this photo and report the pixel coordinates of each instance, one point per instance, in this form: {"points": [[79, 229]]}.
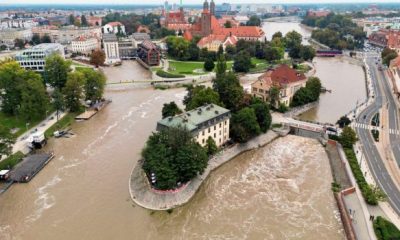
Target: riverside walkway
{"points": [[143, 195]]}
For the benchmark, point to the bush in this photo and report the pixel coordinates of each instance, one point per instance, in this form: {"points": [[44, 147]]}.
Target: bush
{"points": [[164, 74], [366, 190], [385, 230], [209, 65], [11, 160], [375, 135]]}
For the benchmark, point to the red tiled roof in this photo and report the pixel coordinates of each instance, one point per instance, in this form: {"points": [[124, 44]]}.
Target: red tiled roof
{"points": [[114, 24], [282, 75], [187, 35], [241, 31], [395, 63], [211, 38], [393, 39]]}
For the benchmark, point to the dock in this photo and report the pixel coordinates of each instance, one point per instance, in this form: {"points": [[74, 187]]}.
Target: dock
{"points": [[93, 110], [29, 167]]}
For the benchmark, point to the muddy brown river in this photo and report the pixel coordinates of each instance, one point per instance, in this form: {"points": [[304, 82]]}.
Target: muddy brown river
{"points": [[281, 191]]}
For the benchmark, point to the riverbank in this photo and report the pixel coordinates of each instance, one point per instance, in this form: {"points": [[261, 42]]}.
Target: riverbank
{"points": [[143, 195]]}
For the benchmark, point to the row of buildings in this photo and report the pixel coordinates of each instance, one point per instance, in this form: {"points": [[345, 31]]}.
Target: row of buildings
{"points": [[386, 38], [212, 30]]}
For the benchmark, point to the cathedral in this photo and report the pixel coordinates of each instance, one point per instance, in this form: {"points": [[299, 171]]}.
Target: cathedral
{"points": [[207, 24]]}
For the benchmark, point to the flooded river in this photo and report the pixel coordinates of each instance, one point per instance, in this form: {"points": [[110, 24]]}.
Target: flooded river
{"points": [[281, 191], [342, 76]]}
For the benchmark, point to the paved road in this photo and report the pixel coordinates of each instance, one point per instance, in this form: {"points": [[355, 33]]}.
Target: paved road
{"points": [[374, 160]]}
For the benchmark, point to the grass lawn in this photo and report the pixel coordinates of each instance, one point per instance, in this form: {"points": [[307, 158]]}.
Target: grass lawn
{"points": [[62, 123], [11, 161], [303, 68], [187, 68], [260, 64], [13, 122]]}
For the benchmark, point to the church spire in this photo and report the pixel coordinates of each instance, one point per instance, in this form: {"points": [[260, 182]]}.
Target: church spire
{"points": [[205, 6], [212, 7]]}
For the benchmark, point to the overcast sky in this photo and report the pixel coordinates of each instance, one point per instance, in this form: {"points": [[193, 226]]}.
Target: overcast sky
{"points": [[177, 1]]}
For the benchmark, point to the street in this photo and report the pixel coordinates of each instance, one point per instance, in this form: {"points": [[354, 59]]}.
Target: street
{"points": [[375, 162]]}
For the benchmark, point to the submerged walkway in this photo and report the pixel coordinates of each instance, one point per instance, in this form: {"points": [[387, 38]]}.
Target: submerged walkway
{"points": [[144, 196]]}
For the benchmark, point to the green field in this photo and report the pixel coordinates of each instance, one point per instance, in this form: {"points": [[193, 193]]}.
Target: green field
{"points": [[187, 68], [13, 122], [259, 64]]}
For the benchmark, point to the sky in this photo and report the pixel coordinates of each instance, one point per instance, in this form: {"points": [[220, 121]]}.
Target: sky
{"points": [[159, 2]]}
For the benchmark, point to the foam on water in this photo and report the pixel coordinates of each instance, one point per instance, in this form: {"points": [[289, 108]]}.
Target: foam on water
{"points": [[278, 192], [44, 200]]}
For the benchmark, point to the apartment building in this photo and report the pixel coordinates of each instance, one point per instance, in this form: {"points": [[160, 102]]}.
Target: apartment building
{"points": [[85, 45], [35, 58], [203, 122]]}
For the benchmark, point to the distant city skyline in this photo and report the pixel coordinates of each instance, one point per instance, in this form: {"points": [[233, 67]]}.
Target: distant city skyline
{"points": [[160, 2]]}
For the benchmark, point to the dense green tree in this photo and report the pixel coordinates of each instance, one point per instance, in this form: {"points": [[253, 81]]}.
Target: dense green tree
{"points": [[194, 52], [307, 53], [272, 54], [230, 51], [209, 65], [343, 121], [12, 79], [292, 39], [254, 21], [211, 146], [314, 85], [221, 66], [244, 125], [294, 52], [94, 84], [203, 96], [56, 71], [388, 55], [230, 91], [45, 39], [6, 141], [172, 156], [58, 101], [34, 99], [242, 62], [178, 48], [274, 96], [228, 24], [301, 97], [36, 39], [71, 19], [348, 137], [84, 21], [19, 43], [277, 35], [220, 50], [170, 110], [263, 115], [73, 91]]}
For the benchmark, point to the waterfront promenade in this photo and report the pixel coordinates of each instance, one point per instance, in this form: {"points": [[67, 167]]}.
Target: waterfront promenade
{"points": [[143, 195]]}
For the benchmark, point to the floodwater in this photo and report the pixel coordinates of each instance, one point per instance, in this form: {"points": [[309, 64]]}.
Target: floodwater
{"points": [[346, 80], [341, 75], [281, 191], [285, 25]]}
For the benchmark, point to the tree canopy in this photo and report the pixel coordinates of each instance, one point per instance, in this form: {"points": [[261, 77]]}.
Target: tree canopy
{"points": [[244, 125], [170, 110], [56, 71], [172, 156]]}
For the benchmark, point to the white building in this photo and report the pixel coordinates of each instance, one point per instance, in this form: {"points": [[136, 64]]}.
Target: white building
{"points": [[17, 23], [66, 35], [8, 36], [111, 49], [85, 45], [35, 57], [114, 27], [203, 122]]}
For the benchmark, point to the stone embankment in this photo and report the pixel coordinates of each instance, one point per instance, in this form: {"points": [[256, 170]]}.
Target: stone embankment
{"points": [[143, 195]]}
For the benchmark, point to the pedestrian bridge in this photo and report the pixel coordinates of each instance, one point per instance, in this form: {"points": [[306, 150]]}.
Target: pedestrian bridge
{"points": [[306, 129]]}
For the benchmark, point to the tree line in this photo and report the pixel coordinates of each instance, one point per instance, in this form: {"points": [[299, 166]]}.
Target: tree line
{"points": [[336, 31]]}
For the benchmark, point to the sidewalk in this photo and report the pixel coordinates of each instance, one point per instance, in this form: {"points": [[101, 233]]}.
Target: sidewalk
{"points": [[20, 144]]}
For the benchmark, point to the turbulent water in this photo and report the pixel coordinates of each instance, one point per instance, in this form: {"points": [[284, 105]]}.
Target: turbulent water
{"points": [[279, 192]]}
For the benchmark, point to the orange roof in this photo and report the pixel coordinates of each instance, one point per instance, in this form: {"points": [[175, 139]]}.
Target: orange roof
{"points": [[217, 39], [187, 35], [114, 24], [393, 39], [282, 75], [395, 63], [242, 31]]}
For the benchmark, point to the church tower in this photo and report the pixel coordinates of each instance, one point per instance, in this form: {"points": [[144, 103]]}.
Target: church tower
{"points": [[205, 20], [212, 8]]}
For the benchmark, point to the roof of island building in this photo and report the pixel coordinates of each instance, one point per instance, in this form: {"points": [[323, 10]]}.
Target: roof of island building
{"points": [[281, 75], [194, 119]]}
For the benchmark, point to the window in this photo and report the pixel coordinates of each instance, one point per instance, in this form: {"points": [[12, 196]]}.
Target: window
{"points": [[203, 132], [209, 130], [215, 135], [215, 128], [203, 141], [220, 124]]}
